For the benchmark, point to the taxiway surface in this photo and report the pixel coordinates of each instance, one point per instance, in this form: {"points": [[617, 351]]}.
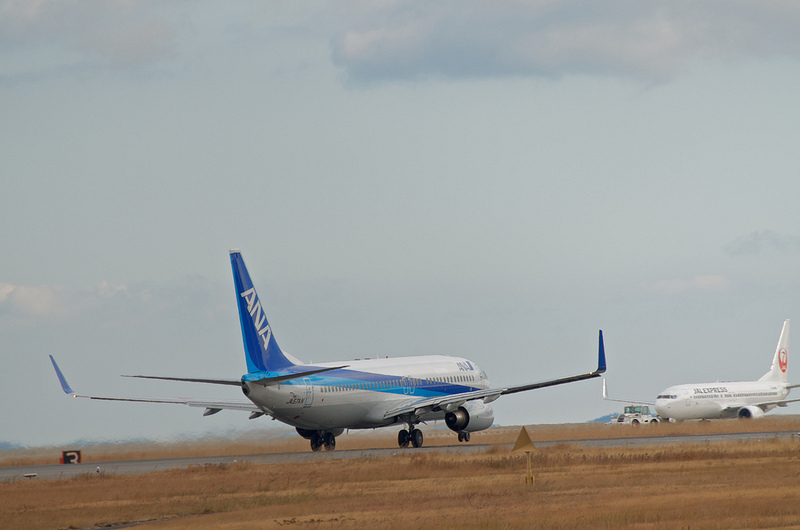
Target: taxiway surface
{"points": [[128, 467]]}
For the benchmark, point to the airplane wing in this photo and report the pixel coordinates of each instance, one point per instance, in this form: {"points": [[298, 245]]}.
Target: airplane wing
{"points": [[629, 401], [784, 403], [453, 401], [765, 406], [448, 402], [212, 407]]}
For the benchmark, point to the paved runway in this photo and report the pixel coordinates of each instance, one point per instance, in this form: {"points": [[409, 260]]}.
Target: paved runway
{"points": [[146, 466]]}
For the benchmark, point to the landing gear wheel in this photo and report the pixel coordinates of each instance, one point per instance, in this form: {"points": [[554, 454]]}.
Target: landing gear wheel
{"points": [[416, 438], [466, 436], [329, 441], [316, 441], [461, 437], [403, 438]]}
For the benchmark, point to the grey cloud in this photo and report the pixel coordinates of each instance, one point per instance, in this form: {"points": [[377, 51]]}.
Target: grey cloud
{"points": [[57, 34], [648, 40], [408, 41], [762, 240]]}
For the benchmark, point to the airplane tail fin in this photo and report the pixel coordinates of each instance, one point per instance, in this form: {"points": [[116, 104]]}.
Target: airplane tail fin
{"points": [[261, 350], [780, 362]]}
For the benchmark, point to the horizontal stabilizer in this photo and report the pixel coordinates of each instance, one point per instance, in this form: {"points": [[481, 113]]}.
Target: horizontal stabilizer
{"points": [[265, 381], [231, 382], [269, 381]]}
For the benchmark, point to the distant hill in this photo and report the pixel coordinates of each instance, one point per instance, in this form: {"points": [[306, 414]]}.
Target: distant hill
{"points": [[9, 445], [605, 419]]}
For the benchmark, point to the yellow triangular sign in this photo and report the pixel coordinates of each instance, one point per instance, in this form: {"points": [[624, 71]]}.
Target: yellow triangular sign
{"points": [[524, 442]]}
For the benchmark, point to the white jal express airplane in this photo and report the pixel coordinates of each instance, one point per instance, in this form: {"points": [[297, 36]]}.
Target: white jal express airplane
{"points": [[321, 400], [740, 399]]}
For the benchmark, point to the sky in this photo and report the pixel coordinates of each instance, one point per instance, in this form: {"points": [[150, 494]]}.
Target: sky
{"points": [[496, 182]]}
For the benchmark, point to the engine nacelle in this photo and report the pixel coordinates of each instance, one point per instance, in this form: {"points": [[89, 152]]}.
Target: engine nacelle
{"points": [[470, 417], [305, 433], [750, 412], [308, 433]]}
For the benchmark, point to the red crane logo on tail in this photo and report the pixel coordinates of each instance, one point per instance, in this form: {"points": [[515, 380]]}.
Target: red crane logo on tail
{"points": [[782, 359]]}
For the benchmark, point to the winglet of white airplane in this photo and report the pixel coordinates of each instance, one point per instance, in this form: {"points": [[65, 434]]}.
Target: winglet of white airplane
{"points": [[605, 396], [61, 378]]}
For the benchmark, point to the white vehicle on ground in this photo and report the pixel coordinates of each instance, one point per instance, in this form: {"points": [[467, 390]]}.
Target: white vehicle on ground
{"points": [[636, 414]]}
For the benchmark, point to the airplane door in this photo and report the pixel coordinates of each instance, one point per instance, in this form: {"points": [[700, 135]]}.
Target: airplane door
{"points": [[309, 392], [408, 385]]}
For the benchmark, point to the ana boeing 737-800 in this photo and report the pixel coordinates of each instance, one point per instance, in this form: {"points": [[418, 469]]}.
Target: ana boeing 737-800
{"points": [[321, 400], [739, 399]]}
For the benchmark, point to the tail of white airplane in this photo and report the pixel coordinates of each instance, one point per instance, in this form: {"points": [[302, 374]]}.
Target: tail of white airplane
{"points": [[261, 351], [779, 372]]}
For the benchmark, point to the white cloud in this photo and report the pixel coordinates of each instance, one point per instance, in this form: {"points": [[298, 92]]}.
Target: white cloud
{"points": [[53, 301], [710, 282], [40, 300]]}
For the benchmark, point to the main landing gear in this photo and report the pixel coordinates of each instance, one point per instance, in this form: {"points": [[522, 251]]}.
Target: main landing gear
{"points": [[412, 436], [322, 440], [463, 437]]}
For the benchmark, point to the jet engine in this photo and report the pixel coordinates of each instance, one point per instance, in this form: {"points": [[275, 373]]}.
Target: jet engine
{"points": [[305, 433], [750, 412], [470, 417], [308, 433]]}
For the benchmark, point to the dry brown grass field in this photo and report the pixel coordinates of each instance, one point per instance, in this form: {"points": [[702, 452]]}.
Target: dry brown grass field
{"points": [[720, 485]]}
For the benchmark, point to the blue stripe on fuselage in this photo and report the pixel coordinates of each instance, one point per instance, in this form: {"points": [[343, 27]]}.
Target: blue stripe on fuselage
{"points": [[343, 377]]}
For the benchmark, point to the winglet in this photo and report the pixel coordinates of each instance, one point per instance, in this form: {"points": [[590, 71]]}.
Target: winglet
{"points": [[601, 356], [61, 378]]}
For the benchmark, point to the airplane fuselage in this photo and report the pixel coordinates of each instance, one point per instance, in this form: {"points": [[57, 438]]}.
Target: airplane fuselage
{"points": [[359, 396], [719, 400]]}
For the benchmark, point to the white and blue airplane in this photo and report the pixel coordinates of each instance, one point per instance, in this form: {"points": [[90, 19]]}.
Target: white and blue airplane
{"points": [[721, 400], [321, 400]]}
